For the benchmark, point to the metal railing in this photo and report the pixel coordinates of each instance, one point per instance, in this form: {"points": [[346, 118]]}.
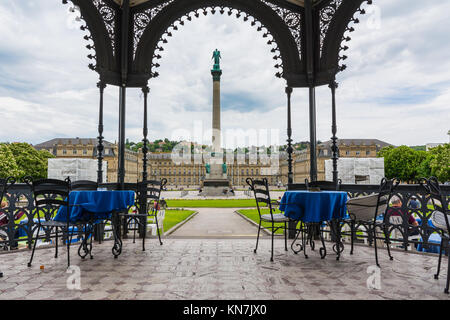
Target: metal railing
{"points": [[20, 203]]}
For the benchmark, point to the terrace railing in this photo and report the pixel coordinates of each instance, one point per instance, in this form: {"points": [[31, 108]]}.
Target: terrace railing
{"points": [[20, 206]]}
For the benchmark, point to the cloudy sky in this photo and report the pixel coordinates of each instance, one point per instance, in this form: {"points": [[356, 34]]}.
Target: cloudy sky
{"points": [[396, 87]]}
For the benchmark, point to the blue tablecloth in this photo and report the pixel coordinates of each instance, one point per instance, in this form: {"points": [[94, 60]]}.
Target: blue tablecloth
{"points": [[310, 206], [101, 203], [434, 238]]}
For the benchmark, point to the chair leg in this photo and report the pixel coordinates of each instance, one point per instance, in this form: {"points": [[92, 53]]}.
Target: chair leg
{"points": [[375, 245], [388, 242], [56, 242], [69, 241], [157, 229], [441, 248], [134, 228], [273, 227], [285, 236], [257, 238], [90, 242], [352, 235], [34, 246], [448, 273], [144, 228], [304, 236]]}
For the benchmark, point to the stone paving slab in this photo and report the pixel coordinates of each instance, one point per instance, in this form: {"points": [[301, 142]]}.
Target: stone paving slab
{"points": [[217, 223], [218, 269]]}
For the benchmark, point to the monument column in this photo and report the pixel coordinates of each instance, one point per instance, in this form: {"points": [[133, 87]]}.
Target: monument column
{"points": [[216, 182], [216, 73]]}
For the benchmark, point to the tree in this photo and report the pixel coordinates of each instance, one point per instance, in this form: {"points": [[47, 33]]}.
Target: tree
{"points": [[28, 161], [402, 162], [8, 164], [437, 163]]}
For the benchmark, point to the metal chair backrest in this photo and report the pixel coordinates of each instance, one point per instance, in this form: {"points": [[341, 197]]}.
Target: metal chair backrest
{"points": [[49, 195], [385, 193], [324, 185], [433, 190], [261, 192], [84, 185], [150, 191]]}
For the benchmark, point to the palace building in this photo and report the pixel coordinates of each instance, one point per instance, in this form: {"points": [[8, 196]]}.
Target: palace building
{"points": [[190, 174]]}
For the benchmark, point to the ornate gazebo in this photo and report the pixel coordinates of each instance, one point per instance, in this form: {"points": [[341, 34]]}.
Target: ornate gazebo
{"points": [[307, 38]]}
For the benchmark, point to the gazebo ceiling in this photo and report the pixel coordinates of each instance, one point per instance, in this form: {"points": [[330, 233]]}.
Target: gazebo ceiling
{"points": [[307, 41], [138, 2]]}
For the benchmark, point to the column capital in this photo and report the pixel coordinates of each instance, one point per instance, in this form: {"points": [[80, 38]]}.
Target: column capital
{"points": [[216, 74]]}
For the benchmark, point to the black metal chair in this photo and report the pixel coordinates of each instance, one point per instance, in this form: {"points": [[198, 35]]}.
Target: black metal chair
{"points": [[84, 185], [440, 219], [49, 195], [323, 185], [148, 192], [365, 210], [260, 190], [4, 185]]}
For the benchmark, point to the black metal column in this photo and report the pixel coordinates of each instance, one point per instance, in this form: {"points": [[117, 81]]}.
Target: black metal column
{"points": [[124, 49], [310, 36], [291, 224], [289, 134], [121, 156], [312, 134], [334, 147], [145, 90], [101, 85]]}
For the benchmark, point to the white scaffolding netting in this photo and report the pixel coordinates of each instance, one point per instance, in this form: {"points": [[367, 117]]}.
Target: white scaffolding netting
{"points": [[75, 169], [357, 170]]}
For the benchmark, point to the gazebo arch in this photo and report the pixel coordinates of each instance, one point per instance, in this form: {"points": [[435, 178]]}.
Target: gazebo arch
{"points": [[309, 37]]}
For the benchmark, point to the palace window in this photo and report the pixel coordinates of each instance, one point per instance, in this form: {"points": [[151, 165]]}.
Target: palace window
{"points": [[74, 151], [64, 151]]}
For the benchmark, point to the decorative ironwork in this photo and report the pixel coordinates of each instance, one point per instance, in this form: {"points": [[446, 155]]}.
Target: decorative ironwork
{"points": [[108, 15], [142, 20], [347, 38], [326, 15], [292, 20]]}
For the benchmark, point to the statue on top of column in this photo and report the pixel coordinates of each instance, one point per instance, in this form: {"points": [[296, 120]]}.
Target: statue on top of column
{"points": [[216, 56]]}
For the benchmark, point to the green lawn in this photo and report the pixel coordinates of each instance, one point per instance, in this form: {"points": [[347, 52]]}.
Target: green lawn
{"points": [[173, 217], [212, 203], [252, 214]]}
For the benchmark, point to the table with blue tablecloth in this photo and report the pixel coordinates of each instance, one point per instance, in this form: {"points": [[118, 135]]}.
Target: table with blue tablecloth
{"points": [[100, 204], [312, 207], [95, 207], [309, 206]]}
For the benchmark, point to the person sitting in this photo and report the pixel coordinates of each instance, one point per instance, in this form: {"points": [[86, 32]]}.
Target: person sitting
{"points": [[396, 210]]}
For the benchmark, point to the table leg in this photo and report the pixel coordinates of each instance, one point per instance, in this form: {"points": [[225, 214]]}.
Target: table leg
{"points": [[87, 248], [117, 247], [335, 228], [301, 247], [323, 249]]}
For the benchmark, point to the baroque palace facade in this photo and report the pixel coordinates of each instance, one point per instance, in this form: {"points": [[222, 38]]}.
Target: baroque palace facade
{"points": [[190, 174]]}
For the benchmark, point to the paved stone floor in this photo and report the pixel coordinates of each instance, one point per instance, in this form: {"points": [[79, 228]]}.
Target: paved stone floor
{"points": [[218, 269], [217, 223]]}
